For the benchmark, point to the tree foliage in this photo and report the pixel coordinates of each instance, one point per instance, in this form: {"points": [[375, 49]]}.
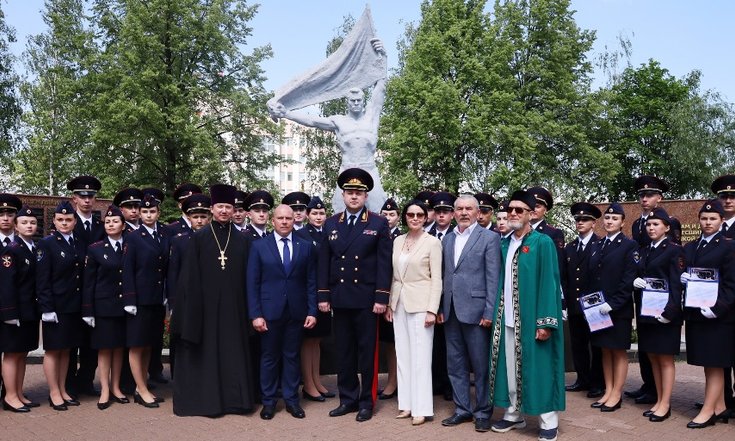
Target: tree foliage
{"points": [[9, 106]]}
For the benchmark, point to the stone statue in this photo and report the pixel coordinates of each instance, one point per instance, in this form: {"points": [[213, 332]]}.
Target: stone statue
{"points": [[357, 130]]}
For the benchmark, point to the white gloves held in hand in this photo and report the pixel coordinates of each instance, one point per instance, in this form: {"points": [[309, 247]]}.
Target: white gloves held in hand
{"points": [[605, 309], [663, 320], [130, 309], [49, 317], [89, 321], [685, 277], [707, 312], [15, 322], [639, 283]]}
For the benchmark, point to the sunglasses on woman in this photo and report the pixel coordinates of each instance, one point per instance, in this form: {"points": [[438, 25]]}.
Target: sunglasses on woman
{"points": [[415, 215]]}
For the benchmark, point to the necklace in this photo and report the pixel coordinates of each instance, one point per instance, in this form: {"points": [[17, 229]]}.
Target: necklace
{"points": [[409, 243], [222, 258]]}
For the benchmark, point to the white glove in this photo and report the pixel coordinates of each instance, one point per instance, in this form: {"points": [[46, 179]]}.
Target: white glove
{"points": [[685, 277], [663, 320], [165, 301], [132, 310], [15, 322], [564, 315], [706, 311], [639, 283], [605, 309], [49, 317], [89, 321]]}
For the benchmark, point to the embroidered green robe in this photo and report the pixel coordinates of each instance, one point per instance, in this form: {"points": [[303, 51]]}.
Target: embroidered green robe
{"points": [[537, 304]]}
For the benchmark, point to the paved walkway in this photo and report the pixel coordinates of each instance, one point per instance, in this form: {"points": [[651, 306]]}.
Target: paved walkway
{"points": [[134, 422]]}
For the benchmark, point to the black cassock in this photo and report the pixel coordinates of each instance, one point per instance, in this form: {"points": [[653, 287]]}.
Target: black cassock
{"points": [[213, 360]]}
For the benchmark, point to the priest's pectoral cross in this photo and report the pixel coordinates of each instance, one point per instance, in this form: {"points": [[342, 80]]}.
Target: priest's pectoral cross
{"points": [[222, 259]]}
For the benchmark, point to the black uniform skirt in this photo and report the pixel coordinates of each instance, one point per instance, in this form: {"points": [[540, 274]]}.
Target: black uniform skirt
{"points": [[615, 337], [108, 333], [323, 326], [143, 328], [65, 334], [23, 338], [710, 343], [385, 331], [659, 338]]}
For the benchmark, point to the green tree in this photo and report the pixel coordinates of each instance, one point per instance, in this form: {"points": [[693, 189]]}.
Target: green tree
{"points": [[9, 107], [176, 99]]}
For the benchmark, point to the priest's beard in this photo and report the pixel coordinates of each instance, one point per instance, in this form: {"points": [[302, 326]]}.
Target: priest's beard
{"points": [[515, 225]]}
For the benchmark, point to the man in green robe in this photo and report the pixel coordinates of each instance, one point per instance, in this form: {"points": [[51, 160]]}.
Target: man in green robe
{"points": [[527, 354]]}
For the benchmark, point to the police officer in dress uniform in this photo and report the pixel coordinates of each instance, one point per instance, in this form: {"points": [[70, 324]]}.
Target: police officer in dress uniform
{"points": [[258, 205], [240, 214], [389, 210], [88, 230], [487, 205], [724, 188], [650, 190], [501, 220], [297, 200], [443, 205], [576, 281], [128, 200], [355, 272], [425, 197], [182, 224], [545, 202]]}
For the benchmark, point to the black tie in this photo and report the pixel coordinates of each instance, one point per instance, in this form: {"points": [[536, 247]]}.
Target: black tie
{"points": [[580, 248], [86, 226], [724, 227], [71, 241], [439, 235], [6, 241], [117, 247], [351, 221], [155, 236]]}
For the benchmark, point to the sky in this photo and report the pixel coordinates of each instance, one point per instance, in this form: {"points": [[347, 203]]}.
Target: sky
{"points": [[683, 35]]}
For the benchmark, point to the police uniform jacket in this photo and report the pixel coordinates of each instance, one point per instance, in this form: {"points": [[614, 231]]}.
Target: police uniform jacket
{"points": [[718, 254], [59, 270], [395, 233], [557, 236], [178, 226], [18, 282], [102, 292], [612, 271], [641, 236], [252, 233], [179, 243], [145, 263], [310, 233], [576, 277], [666, 262], [95, 234], [433, 230], [355, 268]]}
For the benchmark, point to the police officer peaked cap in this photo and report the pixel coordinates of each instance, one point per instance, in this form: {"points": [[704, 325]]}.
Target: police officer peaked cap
{"points": [[723, 184], [259, 198], [296, 199], [542, 195], [712, 206], [442, 199], [240, 198], [502, 207], [315, 202], [196, 203], [155, 192], [150, 201], [484, 200], [585, 210], [389, 205], [113, 210], [646, 183], [524, 196], [661, 214], [355, 179], [222, 194], [185, 190], [10, 202], [84, 185], [25, 211], [615, 208], [64, 207], [425, 197], [128, 196]]}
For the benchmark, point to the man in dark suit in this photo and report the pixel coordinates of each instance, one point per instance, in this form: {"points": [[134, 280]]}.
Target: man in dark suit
{"points": [[354, 278], [281, 288], [471, 267], [575, 282], [128, 200], [182, 224]]}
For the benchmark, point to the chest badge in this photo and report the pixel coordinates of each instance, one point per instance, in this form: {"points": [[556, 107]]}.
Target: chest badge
{"points": [[104, 256], [333, 235], [63, 254]]}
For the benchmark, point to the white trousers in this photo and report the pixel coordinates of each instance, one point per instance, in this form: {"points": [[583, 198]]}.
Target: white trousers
{"points": [[548, 420], [414, 344]]}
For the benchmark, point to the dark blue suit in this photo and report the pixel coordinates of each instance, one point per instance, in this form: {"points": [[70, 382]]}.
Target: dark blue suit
{"points": [[179, 226], [284, 298], [102, 293], [355, 272], [18, 298], [96, 231]]}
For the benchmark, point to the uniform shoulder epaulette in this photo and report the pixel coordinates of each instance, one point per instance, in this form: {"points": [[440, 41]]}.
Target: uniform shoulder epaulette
{"points": [[97, 244]]}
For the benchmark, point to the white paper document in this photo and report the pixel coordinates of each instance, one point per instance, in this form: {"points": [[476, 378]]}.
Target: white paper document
{"points": [[654, 297], [702, 287], [591, 307]]}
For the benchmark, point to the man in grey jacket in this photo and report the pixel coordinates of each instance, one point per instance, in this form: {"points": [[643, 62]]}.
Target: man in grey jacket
{"points": [[471, 267]]}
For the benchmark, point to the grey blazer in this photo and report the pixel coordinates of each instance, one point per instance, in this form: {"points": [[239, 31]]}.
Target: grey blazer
{"points": [[471, 287]]}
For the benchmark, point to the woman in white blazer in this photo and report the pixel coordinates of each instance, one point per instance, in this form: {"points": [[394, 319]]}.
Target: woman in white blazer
{"points": [[414, 301]]}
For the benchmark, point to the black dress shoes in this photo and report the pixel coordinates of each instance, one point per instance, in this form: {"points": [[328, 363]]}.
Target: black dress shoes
{"points": [[296, 411], [646, 399], [88, 390], [267, 412], [698, 404], [634, 393], [307, 396], [21, 409], [658, 418], [364, 415], [384, 396], [597, 405], [613, 408], [31, 405], [119, 400], [105, 405], [72, 402], [576, 387], [328, 394], [723, 416], [58, 407], [138, 399], [709, 422], [648, 413], [482, 424], [595, 392], [342, 409], [456, 420]]}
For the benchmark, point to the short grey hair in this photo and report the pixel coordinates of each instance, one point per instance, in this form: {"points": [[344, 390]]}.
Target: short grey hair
{"points": [[467, 197]]}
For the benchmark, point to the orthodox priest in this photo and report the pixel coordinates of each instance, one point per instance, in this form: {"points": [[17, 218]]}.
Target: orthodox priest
{"points": [[213, 360], [527, 354]]}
